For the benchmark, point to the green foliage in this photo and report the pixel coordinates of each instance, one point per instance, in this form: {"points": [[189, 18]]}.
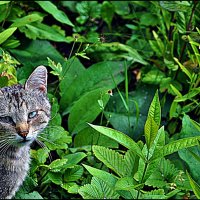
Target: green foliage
{"points": [[115, 64]]}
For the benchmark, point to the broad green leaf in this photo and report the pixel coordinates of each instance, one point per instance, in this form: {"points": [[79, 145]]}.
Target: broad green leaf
{"points": [[73, 159], [55, 177], [89, 136], [73, 174], [6, 34], [120, 138], [109, 179], [96, 76], [98, 189], [126, 183], [30, 57], [190, 128], [55, 137], [194, 185], [37, 30], [86, 109], [55, 12], [57, 164], [111, 159], [27, 20], [4, 2], [121, 7], [107, 12], [150, 131], [71, 70], [154, 76], [176, 146], [131, 123], [3, 10]]}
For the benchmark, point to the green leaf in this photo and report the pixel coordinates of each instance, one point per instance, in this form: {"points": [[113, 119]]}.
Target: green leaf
{"points": [[4, 2], [31, 195], [73, 159], [96, 76], [57, 164], [30, 57], [55, 137], [176, 6], [120, 138], [53, 10], [108, 178], [155, 110], [55, 177], [175, 90], [42, 31], [73, 174], [89, 136], [98, 189], [131, 123], [183, 68], [107, 12], [150, 131], [194, 185], [126, 183], [111, 159], [176, 146], [193, 92], [19, 22], [86, 109], [6, 34]]}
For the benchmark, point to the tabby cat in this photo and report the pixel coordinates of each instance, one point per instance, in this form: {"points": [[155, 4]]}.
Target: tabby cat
{"points": [[24, 112]]}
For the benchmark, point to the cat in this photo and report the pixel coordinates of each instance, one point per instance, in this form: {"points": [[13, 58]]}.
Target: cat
{"points": [[24, 113]]}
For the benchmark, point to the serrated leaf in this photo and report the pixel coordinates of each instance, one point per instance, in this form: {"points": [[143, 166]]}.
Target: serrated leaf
{"points": [[126, 183], [6, 34], [55, 12], [155, 110], [73, 174], [176, 146], [55, 177], [111, 159], [150, 131], [120, 138], [108, 178], [98, 189], [56, 164], [194, 185]]}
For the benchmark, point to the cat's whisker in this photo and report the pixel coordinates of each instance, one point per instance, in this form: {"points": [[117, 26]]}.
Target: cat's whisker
{"points": [[46, 140]]}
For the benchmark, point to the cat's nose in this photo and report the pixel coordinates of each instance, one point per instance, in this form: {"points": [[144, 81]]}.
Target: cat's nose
{"points": [[22, 129]]}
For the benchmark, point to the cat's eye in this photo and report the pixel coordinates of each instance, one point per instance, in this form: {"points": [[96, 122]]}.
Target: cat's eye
{"points": [[7, 119], [32, 114]]}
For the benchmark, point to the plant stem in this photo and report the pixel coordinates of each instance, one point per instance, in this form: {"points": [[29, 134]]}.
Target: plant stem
{"points": [[187, 29], [145, 169]]}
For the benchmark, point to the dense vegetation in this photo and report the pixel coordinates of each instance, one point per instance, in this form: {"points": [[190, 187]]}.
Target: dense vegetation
{"points": [[124, 88]]}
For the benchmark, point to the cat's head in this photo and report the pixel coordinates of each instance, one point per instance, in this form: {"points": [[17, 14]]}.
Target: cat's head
{"points": [[24, 110]]}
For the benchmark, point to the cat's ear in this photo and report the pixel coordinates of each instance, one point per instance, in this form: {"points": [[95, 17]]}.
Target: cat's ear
{"points": [[37, 80]]}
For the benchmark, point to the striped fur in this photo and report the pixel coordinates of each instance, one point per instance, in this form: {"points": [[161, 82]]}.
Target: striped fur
{"points": [[24, 112]]}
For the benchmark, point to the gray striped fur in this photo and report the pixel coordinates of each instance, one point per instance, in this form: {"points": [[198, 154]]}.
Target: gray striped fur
{"points": [[16, 104]]}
